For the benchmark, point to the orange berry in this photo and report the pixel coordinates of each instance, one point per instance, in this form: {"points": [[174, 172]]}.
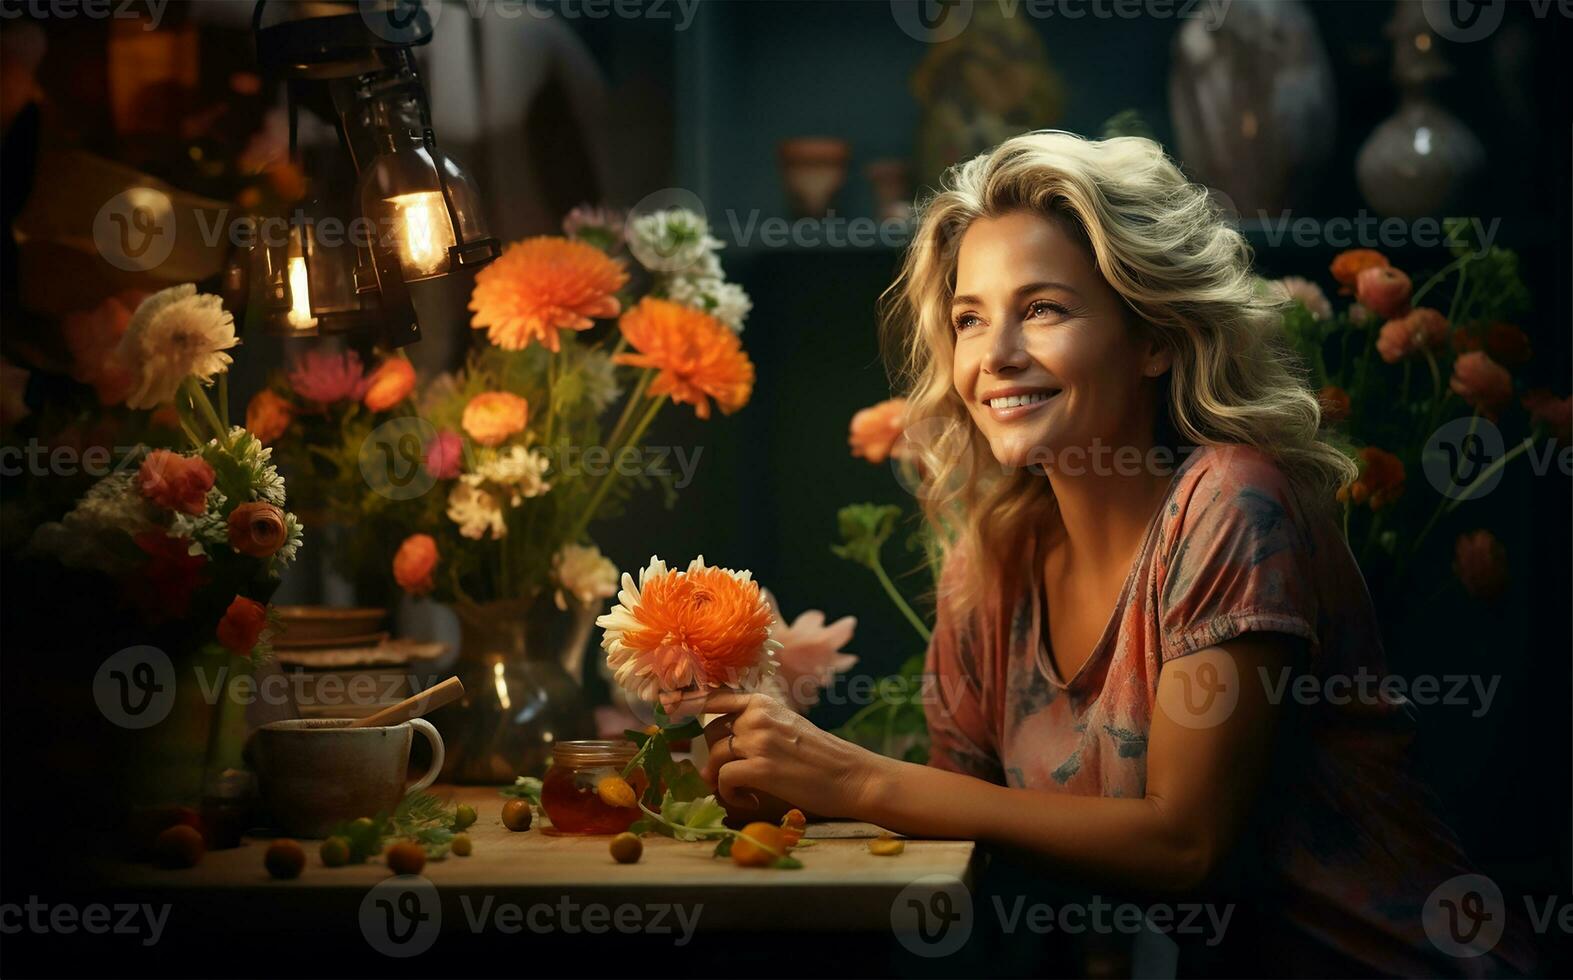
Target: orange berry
{"points": [[284, 858], [406, 858], [615, 791], [886, 846], [792, 827], [179, 846], [759, 846]]}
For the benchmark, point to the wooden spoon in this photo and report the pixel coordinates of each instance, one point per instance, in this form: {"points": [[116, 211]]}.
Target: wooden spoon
{"points": [[430, 699]]}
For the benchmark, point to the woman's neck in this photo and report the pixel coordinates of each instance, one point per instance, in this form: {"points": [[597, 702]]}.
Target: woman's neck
{"points": [[1107, 505]]}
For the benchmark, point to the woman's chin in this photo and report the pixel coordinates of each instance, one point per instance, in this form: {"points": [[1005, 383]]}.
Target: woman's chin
{"points": [[1019, 450]]}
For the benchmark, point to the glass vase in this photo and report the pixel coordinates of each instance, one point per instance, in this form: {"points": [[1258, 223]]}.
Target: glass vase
{"points": [[519, 697]]}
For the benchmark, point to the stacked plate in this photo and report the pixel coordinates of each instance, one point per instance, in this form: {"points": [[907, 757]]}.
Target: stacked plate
{"points": [[341, 662]]}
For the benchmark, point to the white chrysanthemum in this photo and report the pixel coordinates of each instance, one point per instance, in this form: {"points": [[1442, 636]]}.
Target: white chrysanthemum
{"points": [[293, 536], [705, 628], [175, 334], [207, 528], [726, 301], [676, 240], [584, 573], [257, 460], [477, 512], [516, 471]]}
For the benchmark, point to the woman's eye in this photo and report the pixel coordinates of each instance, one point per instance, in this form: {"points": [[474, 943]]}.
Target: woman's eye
{"points": [[1043, 307], [966, 320]]}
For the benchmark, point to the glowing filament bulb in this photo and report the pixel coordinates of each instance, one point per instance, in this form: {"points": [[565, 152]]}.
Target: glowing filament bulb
{"points": [[427, 234], [300, 295]]}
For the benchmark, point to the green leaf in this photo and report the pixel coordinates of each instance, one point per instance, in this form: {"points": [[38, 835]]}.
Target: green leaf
{"points": [[643, 826], [692, 728], [693, 819], [683, 781], [723, 848], [636, 737], [864, 530], [786, 862]]}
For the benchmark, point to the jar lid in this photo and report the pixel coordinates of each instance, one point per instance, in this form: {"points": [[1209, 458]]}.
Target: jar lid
{"points": [[593, 751]]}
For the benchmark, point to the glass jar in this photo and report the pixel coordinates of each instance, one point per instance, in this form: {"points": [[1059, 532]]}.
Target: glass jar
{"points": [[568, 793]]}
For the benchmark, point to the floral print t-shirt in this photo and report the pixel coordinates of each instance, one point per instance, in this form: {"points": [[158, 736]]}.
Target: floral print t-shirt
{"points": [[1350, 848]]}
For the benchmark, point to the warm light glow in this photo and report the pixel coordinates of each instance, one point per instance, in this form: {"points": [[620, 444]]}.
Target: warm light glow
{"points": [[300, 295], [500, 682], [426, 233]]}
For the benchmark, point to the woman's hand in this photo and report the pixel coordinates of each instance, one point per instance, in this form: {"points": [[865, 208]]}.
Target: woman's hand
{"points": [[761, 746]]}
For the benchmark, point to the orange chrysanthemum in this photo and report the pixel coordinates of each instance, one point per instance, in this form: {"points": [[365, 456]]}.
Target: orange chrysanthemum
{"points": [[698, 356], [539, 286], [683, 631], [1381, 479]]}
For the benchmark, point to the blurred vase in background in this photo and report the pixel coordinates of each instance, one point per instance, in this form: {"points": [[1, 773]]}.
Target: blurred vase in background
{"points": [[1419, 160], [1252, 102]]}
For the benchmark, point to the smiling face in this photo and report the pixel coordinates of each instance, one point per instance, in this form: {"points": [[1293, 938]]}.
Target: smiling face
{"points": [[1046, 356]]}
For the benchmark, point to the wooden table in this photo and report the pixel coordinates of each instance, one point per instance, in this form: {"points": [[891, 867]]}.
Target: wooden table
{"points": [[841, 886]]}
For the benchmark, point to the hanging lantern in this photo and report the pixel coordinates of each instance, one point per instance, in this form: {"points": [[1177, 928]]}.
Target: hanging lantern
{"points": [[414, 214]]}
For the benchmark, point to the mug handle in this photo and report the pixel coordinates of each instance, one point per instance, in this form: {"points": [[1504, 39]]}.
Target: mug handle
{"points": [[426, 728]]}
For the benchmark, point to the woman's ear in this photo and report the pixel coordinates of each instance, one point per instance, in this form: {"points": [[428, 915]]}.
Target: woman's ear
{"points": [[1159, 358]]}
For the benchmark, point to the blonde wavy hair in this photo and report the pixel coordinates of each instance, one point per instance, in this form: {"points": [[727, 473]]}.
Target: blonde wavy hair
{"points": [[1185, 274]]}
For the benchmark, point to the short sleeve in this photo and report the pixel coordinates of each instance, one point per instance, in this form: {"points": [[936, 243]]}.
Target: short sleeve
{"points": [[960, 734], [1239, 559]]}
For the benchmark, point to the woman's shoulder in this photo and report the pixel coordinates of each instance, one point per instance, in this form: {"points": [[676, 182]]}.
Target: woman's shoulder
{"points": [[1220, 485]]}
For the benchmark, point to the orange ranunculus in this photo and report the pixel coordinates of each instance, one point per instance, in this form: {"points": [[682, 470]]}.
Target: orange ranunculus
{"points": [[175, 481], [1419, 329], [414, 563], [268, 415], [697, 629], [875, 432], [1335, 403], [1480, 562], [1547, 409], [542, 285], [697, 356], [257, 529], [1507, 344], [242, 626], [1384, 291], [1347, 266], [1482, 382], [1381, 479], [492, 416], [390, 384]]}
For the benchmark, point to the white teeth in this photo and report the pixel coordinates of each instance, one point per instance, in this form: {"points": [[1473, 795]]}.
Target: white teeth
{"points": [[1017, 400]]}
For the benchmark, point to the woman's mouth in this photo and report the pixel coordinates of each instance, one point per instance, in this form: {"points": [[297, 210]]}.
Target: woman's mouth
{"points": [[1006, 408]]}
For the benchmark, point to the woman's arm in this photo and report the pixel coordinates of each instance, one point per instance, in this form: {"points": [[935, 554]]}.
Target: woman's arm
{"points": [[1204, 768]]}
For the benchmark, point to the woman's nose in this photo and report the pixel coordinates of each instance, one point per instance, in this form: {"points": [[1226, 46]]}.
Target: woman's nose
{"points": [[1006, 353]]}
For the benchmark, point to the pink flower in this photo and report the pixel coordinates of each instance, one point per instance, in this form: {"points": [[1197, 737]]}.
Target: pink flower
{"points": [[176, 482], [1480, 562], [445, 455], [1482, 382], [876, 431], [810, 656], [1384, 291], [325, 378]]}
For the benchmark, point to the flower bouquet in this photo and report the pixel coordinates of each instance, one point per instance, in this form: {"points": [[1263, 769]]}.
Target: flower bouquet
{"points": [[1424, 379], [191, 542], [317, 415], [538, 436]]}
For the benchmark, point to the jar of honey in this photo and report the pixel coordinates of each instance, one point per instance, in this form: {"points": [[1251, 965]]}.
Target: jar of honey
{"points": [[569, 792]]}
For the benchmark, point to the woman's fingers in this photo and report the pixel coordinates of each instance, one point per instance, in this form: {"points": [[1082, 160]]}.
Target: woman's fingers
{"points": [[722, 752], [684, 705], [737, 781], [719, 728], [727, 702]]}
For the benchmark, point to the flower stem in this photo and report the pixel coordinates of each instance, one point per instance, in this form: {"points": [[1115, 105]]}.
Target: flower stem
{"points": [[551, 398], [611, 475], [628, 409], [1446, 270], [901, 604], [204, 406], [223, 399]]}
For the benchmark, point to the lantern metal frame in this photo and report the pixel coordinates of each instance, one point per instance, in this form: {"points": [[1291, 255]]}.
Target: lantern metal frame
{"points": [[358, 67]]}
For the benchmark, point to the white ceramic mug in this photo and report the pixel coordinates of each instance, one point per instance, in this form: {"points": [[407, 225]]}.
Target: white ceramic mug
{"points": [[317, 772]]}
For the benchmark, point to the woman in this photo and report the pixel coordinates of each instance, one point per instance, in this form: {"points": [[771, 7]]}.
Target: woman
{"points": [[1142, 560]]}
